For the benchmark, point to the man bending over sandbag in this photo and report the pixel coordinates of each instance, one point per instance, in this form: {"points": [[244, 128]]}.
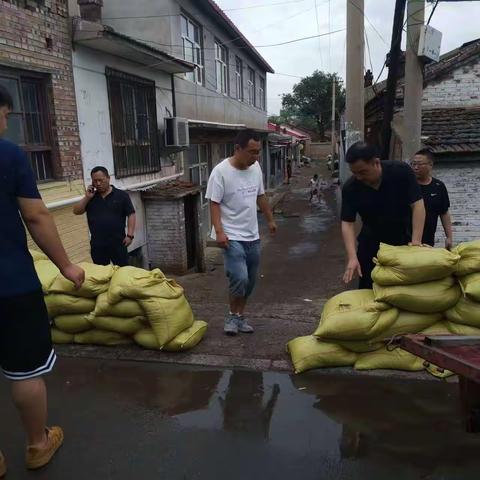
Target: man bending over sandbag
{"points": [[26, 351], [388, 199], [235, 188]]}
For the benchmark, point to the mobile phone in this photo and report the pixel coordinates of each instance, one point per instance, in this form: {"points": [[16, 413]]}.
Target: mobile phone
{"points": [[91, 189]]}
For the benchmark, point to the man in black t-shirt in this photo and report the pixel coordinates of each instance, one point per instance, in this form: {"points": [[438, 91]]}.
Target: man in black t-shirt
{"points": [[108, 210], [435, 196], [387, 198]]}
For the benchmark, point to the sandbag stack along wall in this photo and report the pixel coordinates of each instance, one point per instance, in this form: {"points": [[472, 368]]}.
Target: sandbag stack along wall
{"points": [[118, 306], [416, 290]]}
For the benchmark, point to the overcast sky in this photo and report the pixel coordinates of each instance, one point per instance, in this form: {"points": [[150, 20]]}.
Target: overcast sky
{"points": [[291, 19]]}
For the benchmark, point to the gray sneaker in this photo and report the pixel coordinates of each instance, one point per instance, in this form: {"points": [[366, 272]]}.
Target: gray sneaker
{"points": [[231, 325], [243, 325]]}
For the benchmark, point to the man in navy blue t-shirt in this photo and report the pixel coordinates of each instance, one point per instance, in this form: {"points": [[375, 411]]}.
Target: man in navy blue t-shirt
{"points": [[26, 351]]}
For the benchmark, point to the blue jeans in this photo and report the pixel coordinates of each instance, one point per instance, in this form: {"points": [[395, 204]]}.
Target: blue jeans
{"points": [[242, 260]]}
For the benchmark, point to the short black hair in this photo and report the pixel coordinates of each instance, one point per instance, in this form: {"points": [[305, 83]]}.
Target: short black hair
{"points": [[316, 175], [427, 152], [244, 136], [6, 99], [99, 169], [361, 151]]}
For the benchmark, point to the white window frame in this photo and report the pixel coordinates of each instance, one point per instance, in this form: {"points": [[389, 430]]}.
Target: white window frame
{"points": [[239, 78], [192, 42], [261, 93], [251, 87], [202, 165], [221, 68]]}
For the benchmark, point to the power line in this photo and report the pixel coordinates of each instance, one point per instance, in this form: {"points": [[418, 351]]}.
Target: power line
{"points": [[266, 5], [300, 39], [370, 23], [433, 11], [318, 31]]}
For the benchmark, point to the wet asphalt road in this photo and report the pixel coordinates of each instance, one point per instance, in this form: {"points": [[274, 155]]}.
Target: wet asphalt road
{"points": [[128, 420]]}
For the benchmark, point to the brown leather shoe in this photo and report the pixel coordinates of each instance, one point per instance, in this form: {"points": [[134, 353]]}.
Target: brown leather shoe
{"points": [[38, 457], [3, 466]]}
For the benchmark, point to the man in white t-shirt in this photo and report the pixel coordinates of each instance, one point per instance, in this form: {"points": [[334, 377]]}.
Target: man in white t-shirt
{"points": [[235, 188]]}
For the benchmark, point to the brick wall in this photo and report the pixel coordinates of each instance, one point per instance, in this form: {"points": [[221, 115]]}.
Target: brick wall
{"points": [[463, 184], [165, 220], [23, 45], [460, 88]]}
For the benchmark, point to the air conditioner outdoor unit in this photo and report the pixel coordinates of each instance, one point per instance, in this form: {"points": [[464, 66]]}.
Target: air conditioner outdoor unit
{"points": [[176, 132]]}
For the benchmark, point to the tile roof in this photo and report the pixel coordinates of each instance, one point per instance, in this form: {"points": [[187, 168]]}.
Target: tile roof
{"points": [[451, 130]]}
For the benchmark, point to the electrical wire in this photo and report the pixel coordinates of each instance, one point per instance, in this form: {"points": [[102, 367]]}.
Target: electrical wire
{"points": [[433, 11]]}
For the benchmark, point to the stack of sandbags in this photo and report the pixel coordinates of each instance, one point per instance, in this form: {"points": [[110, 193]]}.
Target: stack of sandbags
{"points": [[465, 315], [118, 306]]}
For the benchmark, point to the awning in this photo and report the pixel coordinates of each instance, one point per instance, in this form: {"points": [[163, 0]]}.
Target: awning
{"points": [[105, 39], [219, 126]]}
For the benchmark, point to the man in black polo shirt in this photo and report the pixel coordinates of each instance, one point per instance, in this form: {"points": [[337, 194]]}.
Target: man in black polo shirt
{"points": [[388, 200], [108, 210], [435, 196]]}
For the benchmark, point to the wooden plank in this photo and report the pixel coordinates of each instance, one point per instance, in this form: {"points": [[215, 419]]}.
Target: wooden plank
{"points": [[452, 340]]}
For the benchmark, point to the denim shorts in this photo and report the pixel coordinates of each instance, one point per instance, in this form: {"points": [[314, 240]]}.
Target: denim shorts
{"points": [[242, 260]]}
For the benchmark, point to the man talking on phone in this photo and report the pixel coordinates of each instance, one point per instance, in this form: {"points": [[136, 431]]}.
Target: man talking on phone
{"points": [[108, 211]]}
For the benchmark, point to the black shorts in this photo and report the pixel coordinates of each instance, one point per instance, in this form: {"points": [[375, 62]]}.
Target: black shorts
{"points": [[25, 340]]}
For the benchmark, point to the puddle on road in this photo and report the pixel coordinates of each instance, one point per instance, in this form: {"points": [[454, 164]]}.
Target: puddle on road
{"points": [[303, 249], [203, 423]]}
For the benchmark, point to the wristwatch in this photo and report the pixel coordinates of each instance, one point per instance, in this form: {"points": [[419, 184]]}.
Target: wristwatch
{"points": [[131, 237]]}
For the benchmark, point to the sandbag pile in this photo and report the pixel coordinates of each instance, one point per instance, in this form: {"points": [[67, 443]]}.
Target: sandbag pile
{"points": [[416, 290], [118, 306]]}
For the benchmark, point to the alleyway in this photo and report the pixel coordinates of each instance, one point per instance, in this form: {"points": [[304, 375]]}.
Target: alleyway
{"points": [[301, 267]]}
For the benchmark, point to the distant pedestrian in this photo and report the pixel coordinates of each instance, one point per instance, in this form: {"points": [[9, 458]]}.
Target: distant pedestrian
{"points": [[435, 196], [289, 171], [108, 210], [26, 352], [314, 188], [235, 188]]}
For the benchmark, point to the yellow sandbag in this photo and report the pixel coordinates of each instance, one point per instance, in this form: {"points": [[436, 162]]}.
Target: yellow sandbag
{"points": [[168, 312], [409, 265], [124, 308], [72, 323], [396, 359], [465, 312], [409, 322], [102, 337], [437, 371], [439, 328], [37, 255], [470, 285], [469, 258], [458, 329], [307, 353], [97, 279], [126, 326], [135, 283], [146, 338], [187, 339], [360, 346], [47, 272], [430, 297], [59, 304], [60, 337], [354, 315]]}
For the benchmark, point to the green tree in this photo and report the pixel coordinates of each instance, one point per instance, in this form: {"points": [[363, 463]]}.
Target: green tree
{"points": [[310, 103]]}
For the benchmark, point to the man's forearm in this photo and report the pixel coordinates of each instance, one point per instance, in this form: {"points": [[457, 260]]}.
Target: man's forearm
{"points": [[216, 215], [264, 206], [447, 224], [131, 223], [349, 240], [418, 221], [44, 232], [81, 206]]}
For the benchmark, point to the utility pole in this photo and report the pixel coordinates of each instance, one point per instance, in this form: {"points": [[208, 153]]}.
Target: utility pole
{"points": [[393, 67], [413, 80], [355, 105], [334, 91]]}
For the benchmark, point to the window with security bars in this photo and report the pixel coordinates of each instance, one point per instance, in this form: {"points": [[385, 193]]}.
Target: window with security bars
{"points": [[221, 67], [27, 3], [133, 118], [199, 166], [251, 87], [192, 48], [261, 94], [28, 122], [239, 78]]}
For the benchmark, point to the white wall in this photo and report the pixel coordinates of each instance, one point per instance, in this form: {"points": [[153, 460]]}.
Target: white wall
{"points": [[94, 120], [461, 88]]}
